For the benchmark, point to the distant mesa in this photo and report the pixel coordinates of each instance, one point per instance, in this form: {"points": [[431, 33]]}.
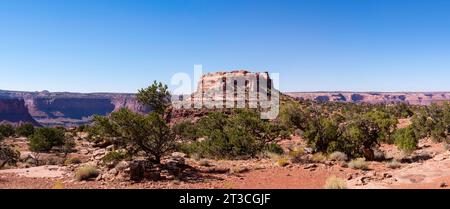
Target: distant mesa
{"points": [[70, 109], [413, 98]]}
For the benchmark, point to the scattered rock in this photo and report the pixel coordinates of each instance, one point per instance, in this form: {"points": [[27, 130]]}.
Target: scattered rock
{"points": [[178, 154], [310, 166], [443, 185], [84, 151], [110, 148]]}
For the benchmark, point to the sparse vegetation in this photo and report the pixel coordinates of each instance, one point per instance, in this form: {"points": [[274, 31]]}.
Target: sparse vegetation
{"points": [[86, 173], [334, 182], [394, 164], [6, 130], [113, 156], [274, 148], [72, 160], [8, 156], [283, 161], [242, 134], [204, 163], [338, 156], [406, 139], [44, 139], [359, 163], [25, 130], [318, 158], [135, 132]]}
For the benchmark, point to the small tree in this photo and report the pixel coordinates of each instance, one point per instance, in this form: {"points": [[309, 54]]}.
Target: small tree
{"points": [[149, 133], [156, 96], [406, 139], [293, 117], [44, 139], [386, 122], [25, 130], [7, 155], [6, 130]]}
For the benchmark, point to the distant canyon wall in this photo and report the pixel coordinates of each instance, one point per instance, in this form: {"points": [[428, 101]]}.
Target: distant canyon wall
{"points": [[68, 109], [14, 111], [413, 98]]}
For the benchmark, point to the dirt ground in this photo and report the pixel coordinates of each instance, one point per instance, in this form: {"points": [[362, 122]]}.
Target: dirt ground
{"points": [[432, 172]]}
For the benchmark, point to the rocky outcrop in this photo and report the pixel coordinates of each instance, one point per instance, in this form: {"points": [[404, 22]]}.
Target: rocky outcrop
{"points": [[14, 111], [414, 98]]}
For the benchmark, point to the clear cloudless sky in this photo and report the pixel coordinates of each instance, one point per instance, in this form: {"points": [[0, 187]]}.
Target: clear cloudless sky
{"points": [[315, 45]]}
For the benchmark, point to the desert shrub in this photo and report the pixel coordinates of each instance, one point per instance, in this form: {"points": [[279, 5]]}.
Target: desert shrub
{"points": [[204, 163], [282, 161], [318, 157], [338, 156], [274, 148], [6, 130], [44, 139], [69, 145], [359, 163], [186, 130], [8, 156], [135, 132], [402, 110], [432, 121], [394, 164], [297, 155], [334, 182], [321, 132], [242, 134], [386, 122], [26, 130], [378, 155], [58, 185], [446, 146], [86, 173], [292, 117], [72, 160], [358, 135], [406, 140], [113, 156], [82, 128]]}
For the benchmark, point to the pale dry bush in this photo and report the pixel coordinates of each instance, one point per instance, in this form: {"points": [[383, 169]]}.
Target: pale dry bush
{"points": [[334, 182], [338, 156], [359, 163]]}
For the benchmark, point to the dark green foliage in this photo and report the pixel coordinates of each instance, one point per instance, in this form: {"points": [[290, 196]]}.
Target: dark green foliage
{"points": [[385, 122], [156, 96], [293, 117], [242, 134], [432, 121], [44, 139], [186, 130], [330, 134], [8, 156], [82, 128], [114, 156], [274, 148], [322, 133], [406, 139], [6, 130], [148, 133], [25, 130]]}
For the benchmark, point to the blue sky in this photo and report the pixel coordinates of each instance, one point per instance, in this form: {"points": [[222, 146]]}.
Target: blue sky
{"points": [[315, 45]]}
